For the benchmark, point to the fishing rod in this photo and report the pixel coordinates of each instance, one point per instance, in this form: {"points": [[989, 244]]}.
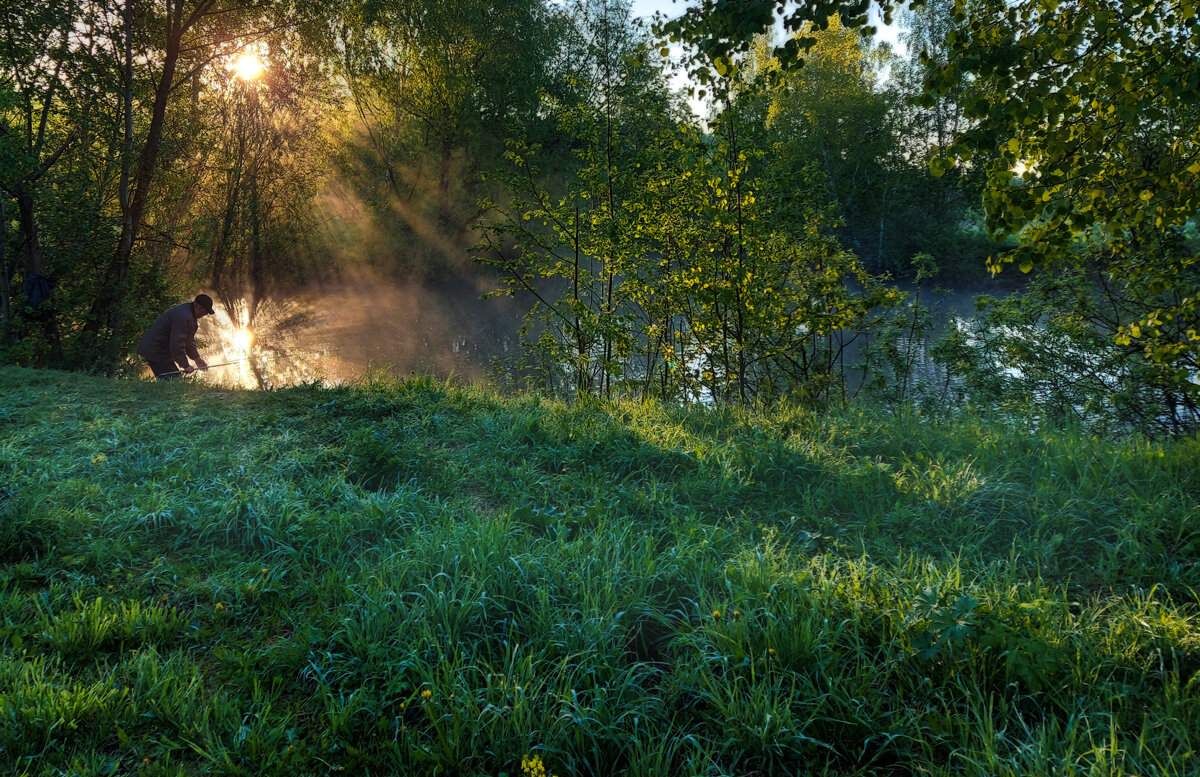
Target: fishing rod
{"points": [[209, 367]]}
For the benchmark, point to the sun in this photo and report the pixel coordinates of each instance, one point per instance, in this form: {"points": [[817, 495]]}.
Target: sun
{"points": [[243, 339], [247, 67]]}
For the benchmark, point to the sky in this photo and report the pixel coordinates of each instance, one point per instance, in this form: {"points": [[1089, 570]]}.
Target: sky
{"points": [[670, 8], [649, 7]]}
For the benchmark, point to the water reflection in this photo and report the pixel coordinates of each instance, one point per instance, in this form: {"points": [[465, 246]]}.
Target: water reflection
{"points": [[334, 334]]}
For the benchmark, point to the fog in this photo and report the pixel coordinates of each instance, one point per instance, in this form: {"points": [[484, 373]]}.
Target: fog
{"points": [[334, 333]]}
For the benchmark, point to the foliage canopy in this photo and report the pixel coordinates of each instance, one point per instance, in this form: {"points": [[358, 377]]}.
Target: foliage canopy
{"points": [[1091, 112]]}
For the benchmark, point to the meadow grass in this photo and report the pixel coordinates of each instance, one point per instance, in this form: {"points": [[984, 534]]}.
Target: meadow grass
{"points": [[419, 578]]}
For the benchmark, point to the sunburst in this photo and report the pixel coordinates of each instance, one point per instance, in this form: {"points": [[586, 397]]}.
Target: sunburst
{"points": [[247, 67], [242, 339]]}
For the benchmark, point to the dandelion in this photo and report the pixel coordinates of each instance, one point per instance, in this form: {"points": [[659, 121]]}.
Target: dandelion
{"points": [[426, 694], [110, 588], [263, 570], [771, 652], [716, 613], [737, 613], [220, 606]]}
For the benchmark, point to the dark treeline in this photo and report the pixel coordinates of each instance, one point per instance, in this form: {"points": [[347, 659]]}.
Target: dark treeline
{"points": [[748, 256]]}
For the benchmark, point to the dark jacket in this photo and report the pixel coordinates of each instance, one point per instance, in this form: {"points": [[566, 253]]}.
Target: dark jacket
{"points": [[172, 338]]}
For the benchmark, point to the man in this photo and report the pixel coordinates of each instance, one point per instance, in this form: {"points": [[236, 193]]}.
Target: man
{"points": [[172, 338]]}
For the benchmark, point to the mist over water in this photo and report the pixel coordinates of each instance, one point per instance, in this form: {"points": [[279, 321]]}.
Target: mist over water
{"points": [[335, 333], [408, 301]]}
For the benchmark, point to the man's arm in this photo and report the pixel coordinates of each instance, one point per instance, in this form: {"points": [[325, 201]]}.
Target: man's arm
{"points": [[190, 346], [191, 349], [180, 344]]}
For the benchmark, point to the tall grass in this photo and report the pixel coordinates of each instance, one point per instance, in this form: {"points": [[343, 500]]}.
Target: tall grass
{"points": [[419, 578]]}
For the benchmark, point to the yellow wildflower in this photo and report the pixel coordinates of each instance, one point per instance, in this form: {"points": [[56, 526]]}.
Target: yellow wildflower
{"points": [[716, 613], [426, 694], [532, 766]]}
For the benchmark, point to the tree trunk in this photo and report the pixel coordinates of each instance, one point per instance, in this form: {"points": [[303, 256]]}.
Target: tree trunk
{"points": [[29, 232], [879, 243], [444, 207], [107, 314], [127, 107], [256, 259], [5, 277], [227, 291], [33, 267]]}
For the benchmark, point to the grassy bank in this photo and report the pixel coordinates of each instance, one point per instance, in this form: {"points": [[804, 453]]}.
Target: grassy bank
{"points": [[410, 578]]}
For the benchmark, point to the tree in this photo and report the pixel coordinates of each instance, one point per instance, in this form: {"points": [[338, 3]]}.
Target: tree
{"points": [[616, 114], [437, 88], [1098, 163], [831, 114], [938, 214], [105, 121], [677, 264], [39, 64], [264, 157], [718, 30], [62, 122]]}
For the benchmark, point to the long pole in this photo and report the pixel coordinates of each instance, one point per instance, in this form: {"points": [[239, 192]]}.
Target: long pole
{"points": [[209, 367]]}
